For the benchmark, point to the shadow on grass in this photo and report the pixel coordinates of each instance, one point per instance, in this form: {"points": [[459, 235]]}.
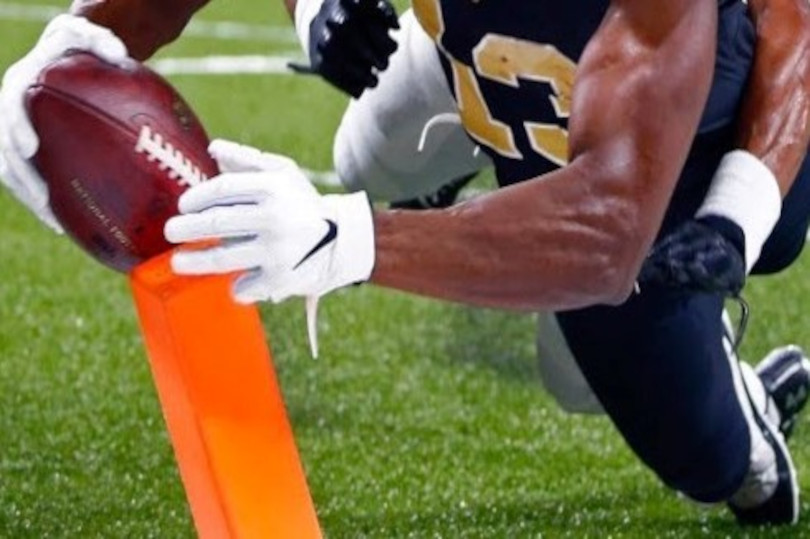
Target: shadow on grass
{"points": [[566, 517], [501, 341]]}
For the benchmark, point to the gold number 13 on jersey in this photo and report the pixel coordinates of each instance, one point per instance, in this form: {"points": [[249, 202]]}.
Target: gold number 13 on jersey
{"points": [[507, 60]]}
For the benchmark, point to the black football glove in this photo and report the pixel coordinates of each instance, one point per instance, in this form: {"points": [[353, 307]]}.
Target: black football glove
{"points": [[702, 255], [349, 43]]}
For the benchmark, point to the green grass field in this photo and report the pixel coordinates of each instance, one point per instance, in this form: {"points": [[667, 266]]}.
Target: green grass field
{"points": [[421, 419]]}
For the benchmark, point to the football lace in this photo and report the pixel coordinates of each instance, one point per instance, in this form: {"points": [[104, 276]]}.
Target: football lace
{"points": [[168, 158]]}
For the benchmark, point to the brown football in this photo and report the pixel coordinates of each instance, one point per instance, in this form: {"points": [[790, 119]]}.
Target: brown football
{"points": [[118, 146]]}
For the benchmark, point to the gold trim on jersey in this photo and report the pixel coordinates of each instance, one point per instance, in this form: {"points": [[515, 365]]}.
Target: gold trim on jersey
{"points": [[506, 60]]}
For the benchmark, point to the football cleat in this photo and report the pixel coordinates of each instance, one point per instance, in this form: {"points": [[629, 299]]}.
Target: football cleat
{"points": [[785, 373], [785, 377], [782, 507]]}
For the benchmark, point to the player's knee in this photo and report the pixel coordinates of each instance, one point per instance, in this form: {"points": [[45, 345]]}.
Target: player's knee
{"points": [[707, 468], [778, 256], [348, 166], [356, 165], [363, 163]]}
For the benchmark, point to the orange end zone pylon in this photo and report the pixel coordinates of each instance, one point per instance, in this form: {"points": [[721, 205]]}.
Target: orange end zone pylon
{"points": [[223, 408]]}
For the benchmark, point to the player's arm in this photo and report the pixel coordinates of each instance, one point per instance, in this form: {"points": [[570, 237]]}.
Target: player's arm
{"points": [[114, 30], [143, 25], [775, 119], [715, 251], [577, 236], [571, 238], [347, 41]]}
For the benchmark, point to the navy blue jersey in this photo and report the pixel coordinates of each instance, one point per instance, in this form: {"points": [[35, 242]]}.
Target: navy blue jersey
{"points": [[511, 65]]}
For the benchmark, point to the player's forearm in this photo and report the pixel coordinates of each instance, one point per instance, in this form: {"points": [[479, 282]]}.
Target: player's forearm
{"points": [[143, 25], [775, 119], [542, 244], [578, 236]]}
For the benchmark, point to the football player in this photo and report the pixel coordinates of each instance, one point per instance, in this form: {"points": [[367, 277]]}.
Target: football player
{"points": [[566, 239], [351, 44], [391, 155], [610, 124]]}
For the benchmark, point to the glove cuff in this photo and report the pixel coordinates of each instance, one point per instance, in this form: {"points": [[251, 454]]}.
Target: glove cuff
{"points": [[354, 253], [746, 192], [727, 228], [305, 13]]}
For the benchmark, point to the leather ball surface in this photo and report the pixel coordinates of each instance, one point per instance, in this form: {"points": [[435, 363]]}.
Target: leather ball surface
{"points": [[118, 146]]}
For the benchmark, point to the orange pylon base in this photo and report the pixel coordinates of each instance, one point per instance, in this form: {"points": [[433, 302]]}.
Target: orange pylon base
{"points": [[223, 407]]}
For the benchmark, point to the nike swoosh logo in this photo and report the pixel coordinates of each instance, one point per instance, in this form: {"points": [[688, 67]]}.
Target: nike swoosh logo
{"points": [[328, 238]]}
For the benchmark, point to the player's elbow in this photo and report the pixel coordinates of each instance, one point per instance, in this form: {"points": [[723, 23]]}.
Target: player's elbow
{"points": [[619, 268], [623, 285], [624, 241], [617, 285]]}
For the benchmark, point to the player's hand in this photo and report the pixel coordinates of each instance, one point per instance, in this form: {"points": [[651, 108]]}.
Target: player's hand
{"points": [[18, 140], [348, 42], [274, 226], [702, 255]]}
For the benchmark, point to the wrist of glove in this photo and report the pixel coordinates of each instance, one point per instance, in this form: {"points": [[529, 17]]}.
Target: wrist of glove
{"points": [[701, 255], [273, 226], [348, 42], [18, 139], [715, 251], [745, 192]]}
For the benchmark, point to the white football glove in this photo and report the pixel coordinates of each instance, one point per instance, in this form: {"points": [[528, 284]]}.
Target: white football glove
{"points": [[289, 239], [18, 140]]}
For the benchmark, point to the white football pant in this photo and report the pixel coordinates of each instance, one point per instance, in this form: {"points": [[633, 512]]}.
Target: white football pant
{"points": [[377, 144]]}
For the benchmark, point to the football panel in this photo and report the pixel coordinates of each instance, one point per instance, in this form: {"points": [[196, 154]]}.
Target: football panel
{"points": [[117, 149], [112, 200]]}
